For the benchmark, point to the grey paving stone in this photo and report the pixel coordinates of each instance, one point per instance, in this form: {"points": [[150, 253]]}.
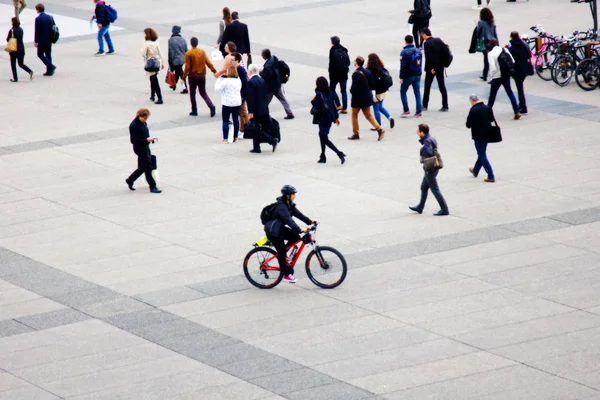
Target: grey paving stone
{"points": [[49, 282], [198, 344], [140, 318], [11, 327], [77, 139], [82, 298], [169, 329], [578, 217], [222, 286], [53, 319], [12, 263], [227, 354], [536, 225], [257, 367], [118, 305], [293, 381], [31, 146], [170, 296], [335, 391], [483, 235], [4, 151]]}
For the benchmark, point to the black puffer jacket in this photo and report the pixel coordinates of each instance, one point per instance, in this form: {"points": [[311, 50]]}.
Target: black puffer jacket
{"points": [[283, 217]]}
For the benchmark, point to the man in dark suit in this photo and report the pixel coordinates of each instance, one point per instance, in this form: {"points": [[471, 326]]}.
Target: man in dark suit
{"points": [[362, 91], [480, 121], [434, 67], [258, 109], [43, 38], [237, 33], [270, 73], [139, 135]]}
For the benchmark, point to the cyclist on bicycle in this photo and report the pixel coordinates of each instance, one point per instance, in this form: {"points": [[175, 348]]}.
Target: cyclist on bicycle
{"points": [[281, 228]]}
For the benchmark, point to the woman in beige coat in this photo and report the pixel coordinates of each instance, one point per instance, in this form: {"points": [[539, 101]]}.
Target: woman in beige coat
{"points": [[151, 50]]}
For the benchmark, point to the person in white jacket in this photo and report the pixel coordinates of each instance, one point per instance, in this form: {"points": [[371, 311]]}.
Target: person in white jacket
{"points": [[231, 100], [500, 75]]}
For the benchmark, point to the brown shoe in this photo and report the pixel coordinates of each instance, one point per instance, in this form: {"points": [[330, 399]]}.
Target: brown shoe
{"points": [[472, 173], [344, 111], [517, 116], [354, 137], [338, 108], [380, 134], [490, 180]]}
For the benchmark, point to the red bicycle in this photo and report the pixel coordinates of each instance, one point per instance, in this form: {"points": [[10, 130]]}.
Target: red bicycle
{"points": [[325, 266]]}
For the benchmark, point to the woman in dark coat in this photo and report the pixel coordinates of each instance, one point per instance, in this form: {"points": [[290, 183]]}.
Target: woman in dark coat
{"points": [[17, 56], [421, 13], [522, 56], [325, 114]]}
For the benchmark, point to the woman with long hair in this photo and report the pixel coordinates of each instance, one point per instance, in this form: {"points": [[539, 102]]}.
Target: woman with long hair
{"points": [[226, 20], [486, 30], [17, 56], [375, 65], [230, 49], [325, 114], [151, 50], [231, 100]]}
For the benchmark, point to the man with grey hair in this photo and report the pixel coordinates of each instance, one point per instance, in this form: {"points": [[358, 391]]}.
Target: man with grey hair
{"points": [[258, 110], [480, 121]]}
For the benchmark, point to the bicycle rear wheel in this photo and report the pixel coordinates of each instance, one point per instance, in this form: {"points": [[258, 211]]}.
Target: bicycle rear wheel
{"points": [[262, 268], [543, 64], [587, 74], [326, 267], [562, 70]]}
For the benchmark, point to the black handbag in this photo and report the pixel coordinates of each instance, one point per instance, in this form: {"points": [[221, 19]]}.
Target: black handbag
{"points": [[252, 130], [152, 65], [495, 135], [154, 162], [411, 19]]}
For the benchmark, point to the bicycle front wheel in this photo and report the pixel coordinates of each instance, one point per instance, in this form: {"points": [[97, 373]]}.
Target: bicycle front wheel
{"points": [[326, 267], [262, 268], [543, 64], [562, 70], [587, 74]]}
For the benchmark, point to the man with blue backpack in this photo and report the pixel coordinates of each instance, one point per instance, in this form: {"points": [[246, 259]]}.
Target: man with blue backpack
{"points": [[411, 70], [104, 16]]}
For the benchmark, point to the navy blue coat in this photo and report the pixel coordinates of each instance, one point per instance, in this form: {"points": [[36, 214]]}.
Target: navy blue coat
{"points": [[429, 143], [256, 96], [270, 74], [243, 75], [362, 85], [43, 29], [326, 118]]}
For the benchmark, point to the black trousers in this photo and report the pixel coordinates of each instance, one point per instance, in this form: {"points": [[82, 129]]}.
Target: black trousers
{"points": [[18, 57], [267, 128], [155, 87], [285, 238], [486, 64], [144, 166], [521, 90], [439, 75], [325, 142]]}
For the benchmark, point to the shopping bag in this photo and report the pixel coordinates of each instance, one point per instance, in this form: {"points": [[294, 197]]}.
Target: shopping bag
{"points": [[170, 79]]}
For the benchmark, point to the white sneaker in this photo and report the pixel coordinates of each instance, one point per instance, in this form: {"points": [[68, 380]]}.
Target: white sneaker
{"points": [[289, 279], [477, 7]]}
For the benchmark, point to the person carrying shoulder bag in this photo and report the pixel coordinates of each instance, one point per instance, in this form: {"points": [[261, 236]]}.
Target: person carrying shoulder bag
{"points": [[16, 49]]}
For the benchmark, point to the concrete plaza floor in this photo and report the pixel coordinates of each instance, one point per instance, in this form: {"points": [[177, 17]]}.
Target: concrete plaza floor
{"points": [[112, 294]]}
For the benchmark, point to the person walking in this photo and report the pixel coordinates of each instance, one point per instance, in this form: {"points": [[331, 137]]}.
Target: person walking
{"points": [[434, 67], [479, 6], [258, 109], [43, 38], [382, 80], [363, 93], [237, 32], [103, 28], [223, 23], [500, 74], [243, 75], [325, 114], [270, 73], [420, 15], [486, 30], [523, 68], [17, 56], [139, 135], [428, 144], [196, 61], [411, 61], [19, 7], [230, 49], [151, 50], [480, 122], [339, 66], [177, 49], [231, 99]]}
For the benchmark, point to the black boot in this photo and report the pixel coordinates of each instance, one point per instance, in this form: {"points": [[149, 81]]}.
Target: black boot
{"points": [[342, 157], [322, 159]]}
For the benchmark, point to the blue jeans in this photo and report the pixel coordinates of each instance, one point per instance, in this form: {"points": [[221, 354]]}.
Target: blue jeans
{"points": [[235, 115], [415, 82], [333, 84], [378, 109], [104, 34], [496, 83], [482, 160]]}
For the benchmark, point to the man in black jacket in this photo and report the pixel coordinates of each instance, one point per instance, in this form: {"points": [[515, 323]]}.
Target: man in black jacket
{"points": [[270, 73], [480, 121], [434, 67], [339, 66], [236, 32], [43, 38], [363, 92], [103, 27], [522, 55], [139, 136], [282, 228], [258, 109]]}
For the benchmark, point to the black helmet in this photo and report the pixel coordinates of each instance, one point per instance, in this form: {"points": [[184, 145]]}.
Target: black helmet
{"points": [[288, 190]]}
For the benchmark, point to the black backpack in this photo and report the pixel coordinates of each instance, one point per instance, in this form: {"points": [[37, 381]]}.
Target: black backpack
{"points": [[323, 110], [268, 213], [447, 56], [340, 61], [386, 80], [54, 32], [506, 64], [284, 71]]}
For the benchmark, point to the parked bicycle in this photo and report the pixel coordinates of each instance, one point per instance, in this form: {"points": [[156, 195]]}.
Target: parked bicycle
{"points": [[587, 74], [571, 52], [325, 266]]}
